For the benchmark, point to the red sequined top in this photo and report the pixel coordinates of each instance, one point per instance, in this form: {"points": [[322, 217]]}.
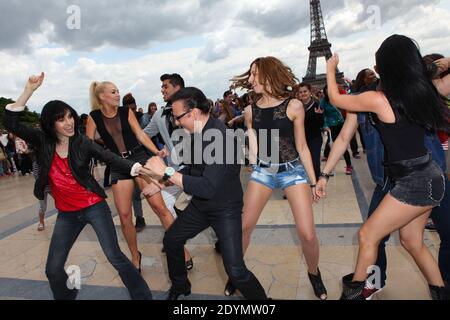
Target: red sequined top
{"points": [[69, 195]]}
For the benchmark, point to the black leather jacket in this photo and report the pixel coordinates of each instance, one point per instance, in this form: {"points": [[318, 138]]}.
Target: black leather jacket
{"points": [[81, 151]]}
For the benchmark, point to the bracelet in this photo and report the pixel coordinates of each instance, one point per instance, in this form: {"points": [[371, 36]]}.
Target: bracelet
{"points": [[312, 186], [325, 175]]}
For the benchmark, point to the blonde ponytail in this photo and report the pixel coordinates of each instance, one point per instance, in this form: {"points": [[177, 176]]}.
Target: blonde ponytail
{"points": [[94, 93]]}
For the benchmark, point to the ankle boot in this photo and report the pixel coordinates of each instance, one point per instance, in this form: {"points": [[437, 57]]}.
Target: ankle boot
{"points": [[439, 293], [352, 290]]}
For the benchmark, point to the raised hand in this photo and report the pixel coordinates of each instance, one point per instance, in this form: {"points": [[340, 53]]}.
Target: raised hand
{"points": [[34, 82], [333, 62]]}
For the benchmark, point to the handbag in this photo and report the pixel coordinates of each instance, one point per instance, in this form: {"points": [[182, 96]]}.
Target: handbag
{"points": [[2, 155]]}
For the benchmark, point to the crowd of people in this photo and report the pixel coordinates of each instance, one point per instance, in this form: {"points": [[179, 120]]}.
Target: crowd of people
{"points": [[401, 117]]}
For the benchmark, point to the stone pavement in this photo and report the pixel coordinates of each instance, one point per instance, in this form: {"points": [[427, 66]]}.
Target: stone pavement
{"points": [[274, 254]]}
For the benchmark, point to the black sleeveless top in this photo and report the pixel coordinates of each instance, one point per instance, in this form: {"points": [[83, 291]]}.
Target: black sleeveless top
{"points": [[128, 135], [270, 119], [403, 140]]}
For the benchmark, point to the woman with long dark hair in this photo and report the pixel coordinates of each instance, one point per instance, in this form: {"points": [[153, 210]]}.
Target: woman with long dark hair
{"points": [[290, 169], [405, 107], [63, 157]]}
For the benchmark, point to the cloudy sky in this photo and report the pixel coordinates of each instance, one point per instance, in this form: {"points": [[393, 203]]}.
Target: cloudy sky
{"points": [[207, 41]]}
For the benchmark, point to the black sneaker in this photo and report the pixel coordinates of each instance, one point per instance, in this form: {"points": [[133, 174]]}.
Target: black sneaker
{"points": [[140, 224]]}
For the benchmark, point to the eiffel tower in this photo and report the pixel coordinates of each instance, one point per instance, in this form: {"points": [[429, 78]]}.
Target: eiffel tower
{"points": [[320, 47]]}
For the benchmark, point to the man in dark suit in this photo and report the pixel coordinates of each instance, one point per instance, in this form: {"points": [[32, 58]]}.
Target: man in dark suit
{"points": [[214, 182]]}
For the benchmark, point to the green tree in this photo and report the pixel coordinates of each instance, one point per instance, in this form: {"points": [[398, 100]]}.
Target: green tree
{"points": [[28, 117]]}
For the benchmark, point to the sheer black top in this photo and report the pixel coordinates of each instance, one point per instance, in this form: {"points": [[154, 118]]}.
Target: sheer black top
{"points": [[265, 121]]}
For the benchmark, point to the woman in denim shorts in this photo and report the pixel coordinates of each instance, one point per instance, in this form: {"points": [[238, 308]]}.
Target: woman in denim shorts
{"points": [[281, 158], [405, 106]]}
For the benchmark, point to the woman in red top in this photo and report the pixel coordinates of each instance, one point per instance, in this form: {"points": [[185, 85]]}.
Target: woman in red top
{"points": [[63, 157]]}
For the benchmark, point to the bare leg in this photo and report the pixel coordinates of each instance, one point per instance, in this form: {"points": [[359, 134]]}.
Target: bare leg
{"points": [[392, 215], [411, 237], [123, 192], [300, 201], [255, 200]]}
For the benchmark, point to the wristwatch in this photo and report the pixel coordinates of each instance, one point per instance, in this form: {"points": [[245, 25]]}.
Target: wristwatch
{"points": [[168, 173]]}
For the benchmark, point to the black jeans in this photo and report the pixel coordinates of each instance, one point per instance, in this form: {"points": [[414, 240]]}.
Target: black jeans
{"points": [[315, 147], [106, 177], [441, 218], [334, 134], [68, 226], [227, 224]]}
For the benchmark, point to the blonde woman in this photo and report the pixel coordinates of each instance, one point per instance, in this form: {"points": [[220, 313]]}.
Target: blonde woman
{"points": [[291, 169], [122, 134]]}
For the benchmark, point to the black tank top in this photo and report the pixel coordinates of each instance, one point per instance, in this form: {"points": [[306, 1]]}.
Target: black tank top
{"points": [[274, 118], [128, 136], [403, 140]]}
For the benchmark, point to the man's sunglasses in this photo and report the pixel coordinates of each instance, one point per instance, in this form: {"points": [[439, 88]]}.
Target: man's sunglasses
{"points": [[178, 118]]}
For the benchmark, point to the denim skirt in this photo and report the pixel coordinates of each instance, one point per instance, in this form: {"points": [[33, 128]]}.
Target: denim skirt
{"points": [[422, 187]]}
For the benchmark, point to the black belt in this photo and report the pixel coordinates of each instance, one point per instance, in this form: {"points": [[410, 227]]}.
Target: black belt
{"points": [[400, 169], [129, 153], [282, 167]]}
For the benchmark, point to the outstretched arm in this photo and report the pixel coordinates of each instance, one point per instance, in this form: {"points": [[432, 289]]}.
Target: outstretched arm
{"points": [[13, 110]]}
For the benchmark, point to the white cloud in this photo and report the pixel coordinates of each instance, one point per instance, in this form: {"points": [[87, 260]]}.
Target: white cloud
{"points": [[235, 34]]}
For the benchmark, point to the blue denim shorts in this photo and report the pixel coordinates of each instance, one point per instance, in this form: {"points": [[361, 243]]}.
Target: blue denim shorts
{"points": [[270, 177]]}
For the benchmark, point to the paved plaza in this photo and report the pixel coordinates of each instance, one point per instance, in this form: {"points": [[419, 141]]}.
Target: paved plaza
{"points": [[274, 255]]}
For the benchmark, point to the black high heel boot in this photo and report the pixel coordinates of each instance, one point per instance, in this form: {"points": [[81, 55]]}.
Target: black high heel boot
{"points": [[229, 289], [189, 264], [318, 286], [352, 290], [439, 293], [140, 262]]}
